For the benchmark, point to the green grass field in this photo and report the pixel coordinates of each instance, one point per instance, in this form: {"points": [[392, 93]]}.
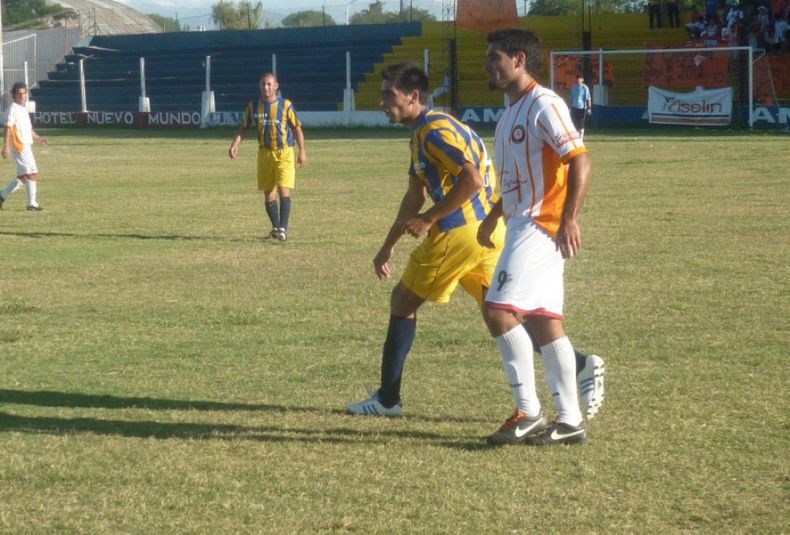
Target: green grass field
{"points": [[165, 370]]}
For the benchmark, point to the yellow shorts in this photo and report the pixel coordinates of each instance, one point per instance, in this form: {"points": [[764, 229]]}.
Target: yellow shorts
{"points": [[276, 168], [445, 259]]}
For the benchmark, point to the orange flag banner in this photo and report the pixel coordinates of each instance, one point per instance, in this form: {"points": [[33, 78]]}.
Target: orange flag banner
{"points": [[487, 15]]}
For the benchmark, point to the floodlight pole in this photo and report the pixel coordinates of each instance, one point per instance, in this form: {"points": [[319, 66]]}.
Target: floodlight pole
{"points": [[348, 7]]}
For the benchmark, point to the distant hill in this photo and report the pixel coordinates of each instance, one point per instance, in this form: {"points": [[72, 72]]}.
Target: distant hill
{"points": [[106, 17]]}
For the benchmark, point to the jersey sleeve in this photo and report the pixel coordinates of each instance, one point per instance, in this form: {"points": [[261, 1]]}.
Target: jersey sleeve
{"points": [[8, 118], [247, 115], [293, 119], [448, 149], [556, 129]]}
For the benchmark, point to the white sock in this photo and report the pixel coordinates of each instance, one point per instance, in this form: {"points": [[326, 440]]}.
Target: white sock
{"points": [[32, 188], [11, 188], [518, 362], [559, 361]]}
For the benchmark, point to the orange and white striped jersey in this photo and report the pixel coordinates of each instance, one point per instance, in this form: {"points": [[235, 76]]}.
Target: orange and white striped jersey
{"points": [[534, 141], [17, 119]]}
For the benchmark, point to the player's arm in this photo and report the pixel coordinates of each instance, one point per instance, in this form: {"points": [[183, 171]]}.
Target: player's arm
{"points": [[301, 160], [410, 205], [569, 240], [41, 139], [233, 151], [469, 181], [488, 225], [6, 142]]}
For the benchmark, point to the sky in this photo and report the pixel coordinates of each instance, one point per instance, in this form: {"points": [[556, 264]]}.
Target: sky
{"points": [[194, 13]]}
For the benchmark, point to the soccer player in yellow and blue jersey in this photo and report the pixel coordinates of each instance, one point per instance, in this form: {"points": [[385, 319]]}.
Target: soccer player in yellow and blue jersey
{"points": [[449, 164], [277, 126]]}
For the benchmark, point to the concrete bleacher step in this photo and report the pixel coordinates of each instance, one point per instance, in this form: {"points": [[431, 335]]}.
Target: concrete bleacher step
{"points": [[311, 64]]}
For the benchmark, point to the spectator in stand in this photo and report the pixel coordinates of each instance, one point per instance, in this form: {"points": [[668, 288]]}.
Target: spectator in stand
{"points": [[734, 22], [654, 13], [711, 8], [697, 24], [781, 28], [713, 32], [673, 13], [778, 9], [763, 28]]}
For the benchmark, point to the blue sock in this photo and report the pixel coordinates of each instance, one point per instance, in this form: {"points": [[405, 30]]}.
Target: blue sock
{"points": [[580, 357], [400, 335], [273, 213], [285, 212]]}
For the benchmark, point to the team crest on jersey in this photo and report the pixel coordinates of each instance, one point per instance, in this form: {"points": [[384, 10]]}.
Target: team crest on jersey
{"points": [[518, 134]]}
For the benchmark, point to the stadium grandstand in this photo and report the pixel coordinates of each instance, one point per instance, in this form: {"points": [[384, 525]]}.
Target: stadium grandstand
{"points": [[316, 65]]}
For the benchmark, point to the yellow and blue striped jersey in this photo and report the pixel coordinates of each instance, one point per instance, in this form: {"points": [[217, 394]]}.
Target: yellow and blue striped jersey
{"points": [[275, 122], [440, 146]]}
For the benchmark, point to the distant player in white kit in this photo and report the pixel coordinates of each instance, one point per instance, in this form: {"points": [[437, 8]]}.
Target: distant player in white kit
{"points": [[18, 140], [544, 175]]}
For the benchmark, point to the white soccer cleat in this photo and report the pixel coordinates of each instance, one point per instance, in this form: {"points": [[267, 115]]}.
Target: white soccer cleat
{"points": [[373, 407], [591, 385]]}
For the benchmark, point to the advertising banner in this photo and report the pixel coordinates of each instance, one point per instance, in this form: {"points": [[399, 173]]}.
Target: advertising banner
{"points": [[702, 107]]}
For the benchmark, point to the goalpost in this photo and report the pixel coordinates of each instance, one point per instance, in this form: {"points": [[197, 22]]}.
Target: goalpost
{"points": [[704, 85]]}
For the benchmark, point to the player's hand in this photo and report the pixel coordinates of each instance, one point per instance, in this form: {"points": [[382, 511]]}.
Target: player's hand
{"points": [[301, 160], [44, 141], [5, 153], [569, 239], [381, 263], [484, 232], [589, 111], [418, 225], [233, 151]]}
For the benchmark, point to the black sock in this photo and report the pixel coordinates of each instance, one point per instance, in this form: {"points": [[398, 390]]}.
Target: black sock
{"points": [[273, 213], [285, 212], [400, 335]]}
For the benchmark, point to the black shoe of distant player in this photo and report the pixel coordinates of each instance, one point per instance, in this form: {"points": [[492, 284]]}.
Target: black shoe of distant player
{"points": [[34, 207], [559, 433], [272, 235], [281, 235]]}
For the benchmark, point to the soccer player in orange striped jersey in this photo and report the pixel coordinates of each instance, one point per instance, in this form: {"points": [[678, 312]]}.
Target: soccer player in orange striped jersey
{"points": [[544, 173], [18, 140], [278, 127], [449, 164]]}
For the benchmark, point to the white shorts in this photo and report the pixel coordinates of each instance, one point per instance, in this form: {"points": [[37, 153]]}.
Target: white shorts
{"points": [[529, 276], [25, 162]]}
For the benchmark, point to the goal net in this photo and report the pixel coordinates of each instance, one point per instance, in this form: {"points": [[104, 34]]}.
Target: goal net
{"points": [[686, 86]]}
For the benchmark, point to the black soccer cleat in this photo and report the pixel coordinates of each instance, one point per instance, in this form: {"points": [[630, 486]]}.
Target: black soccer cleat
{"points": [[559, 433]]}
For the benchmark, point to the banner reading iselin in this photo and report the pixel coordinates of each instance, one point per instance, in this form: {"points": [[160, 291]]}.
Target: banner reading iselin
{"points": [[487, 15]]}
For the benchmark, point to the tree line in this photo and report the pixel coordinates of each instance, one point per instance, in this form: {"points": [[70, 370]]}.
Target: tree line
{"points": [[247, 15]]}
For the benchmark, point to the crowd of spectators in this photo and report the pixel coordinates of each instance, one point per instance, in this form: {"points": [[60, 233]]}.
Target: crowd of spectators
{"points": [[755, 23]]}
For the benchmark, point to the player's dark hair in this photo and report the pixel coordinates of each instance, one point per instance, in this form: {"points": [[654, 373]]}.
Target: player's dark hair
{"points": [[514, 40], [407, 78], [16, 87]]}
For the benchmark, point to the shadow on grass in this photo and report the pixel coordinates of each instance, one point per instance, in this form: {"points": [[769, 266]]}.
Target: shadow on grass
{"points": [[213, 431], [205, 431], [46, 398]]}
